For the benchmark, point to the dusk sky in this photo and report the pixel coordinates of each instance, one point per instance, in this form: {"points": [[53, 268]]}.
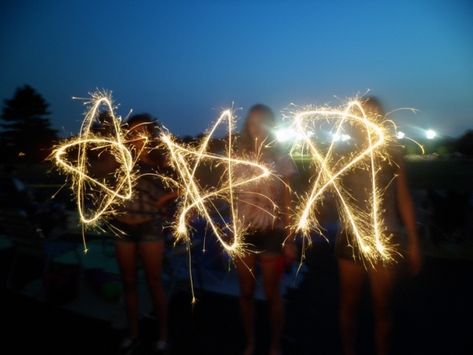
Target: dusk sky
{"points": [[183, 61]]}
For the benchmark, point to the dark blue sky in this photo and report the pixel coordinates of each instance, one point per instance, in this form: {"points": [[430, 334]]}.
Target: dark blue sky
{"points": [[184, 61]]}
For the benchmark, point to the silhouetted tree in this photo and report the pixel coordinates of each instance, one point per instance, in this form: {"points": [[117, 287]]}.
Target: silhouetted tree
{"points": [[444, 146], [26, 131], [465, 144]]}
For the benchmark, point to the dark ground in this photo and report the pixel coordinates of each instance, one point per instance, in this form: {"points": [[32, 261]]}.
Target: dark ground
{"points": [[433, 315]]}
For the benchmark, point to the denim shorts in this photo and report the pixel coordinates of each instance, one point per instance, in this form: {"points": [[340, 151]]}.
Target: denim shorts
{"points": [[151, 231], [266, 242], [346, 249]]}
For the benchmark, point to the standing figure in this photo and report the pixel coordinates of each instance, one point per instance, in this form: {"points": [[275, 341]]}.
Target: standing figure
{"points": [[397, 212], [140, 221], [263, 207]]}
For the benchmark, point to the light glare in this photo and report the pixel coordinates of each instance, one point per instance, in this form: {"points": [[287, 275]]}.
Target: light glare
{"points": [[400, 135], [430, 134]]}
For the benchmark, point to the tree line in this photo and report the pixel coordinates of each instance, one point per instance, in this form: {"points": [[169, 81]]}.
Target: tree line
{"points": [[27, 135]]}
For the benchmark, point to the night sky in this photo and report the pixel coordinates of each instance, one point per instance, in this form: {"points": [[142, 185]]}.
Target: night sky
{"points": [[184, 61]]}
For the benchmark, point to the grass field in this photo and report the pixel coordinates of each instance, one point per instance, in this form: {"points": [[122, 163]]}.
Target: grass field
{"points": [[441, 174]]}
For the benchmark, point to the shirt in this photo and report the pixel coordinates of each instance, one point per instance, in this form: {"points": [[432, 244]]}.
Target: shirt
{"points": [[260, 203], [358, 183], [142, 206]]}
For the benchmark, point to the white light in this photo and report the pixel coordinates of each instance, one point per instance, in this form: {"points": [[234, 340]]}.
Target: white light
{"points": [[284, 134], [289, 134], [400, 135], [336, 137], [430, 134]]}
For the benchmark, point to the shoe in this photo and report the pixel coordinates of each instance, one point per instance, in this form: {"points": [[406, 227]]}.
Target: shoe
{"points": [[160, 348], [129, 345]]}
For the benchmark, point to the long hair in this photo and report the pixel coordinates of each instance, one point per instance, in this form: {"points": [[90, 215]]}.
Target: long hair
{"points": [[375, 109], [146, 121], [246, 143], [373, 106]]}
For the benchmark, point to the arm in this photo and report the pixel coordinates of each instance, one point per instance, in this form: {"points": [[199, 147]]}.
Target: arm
{"points": [[407, 214], [286, 201], [164, 200], [289, 245]]}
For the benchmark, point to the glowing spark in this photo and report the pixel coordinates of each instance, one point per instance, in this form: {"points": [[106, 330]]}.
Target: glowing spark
{"points": [[205, 201], [96, 198], [366, 226]]}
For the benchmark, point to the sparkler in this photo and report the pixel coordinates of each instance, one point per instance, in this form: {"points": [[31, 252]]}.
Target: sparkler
{"points": [[205, 201], [366, 226], [97, 198]]}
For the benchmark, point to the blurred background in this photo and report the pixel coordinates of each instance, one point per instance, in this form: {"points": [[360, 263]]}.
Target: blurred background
{"points": [[183, 62]]}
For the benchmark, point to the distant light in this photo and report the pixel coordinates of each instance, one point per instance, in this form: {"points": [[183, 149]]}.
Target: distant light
{"points": [[336, 137], [400, 135], [430, 134], [286, 134]]}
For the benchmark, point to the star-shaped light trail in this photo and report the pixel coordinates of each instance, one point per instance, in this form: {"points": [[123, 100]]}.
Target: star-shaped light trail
{"points": [[97, 197], [205, 201]]}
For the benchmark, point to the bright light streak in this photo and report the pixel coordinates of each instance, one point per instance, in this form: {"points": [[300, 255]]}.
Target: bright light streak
{"points": [[201, 200], [97, 198], [367, 228]]}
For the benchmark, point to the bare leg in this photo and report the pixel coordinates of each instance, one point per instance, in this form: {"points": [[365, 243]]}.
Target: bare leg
{"points": [[247, 290], [152, 257], [352, 277], [271, 279], [126, 258], [382, 281]]}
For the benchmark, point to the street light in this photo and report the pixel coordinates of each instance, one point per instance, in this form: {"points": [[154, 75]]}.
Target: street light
{"points": [[430, 134], [337, 137], [400, 135], [286, 134]]}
